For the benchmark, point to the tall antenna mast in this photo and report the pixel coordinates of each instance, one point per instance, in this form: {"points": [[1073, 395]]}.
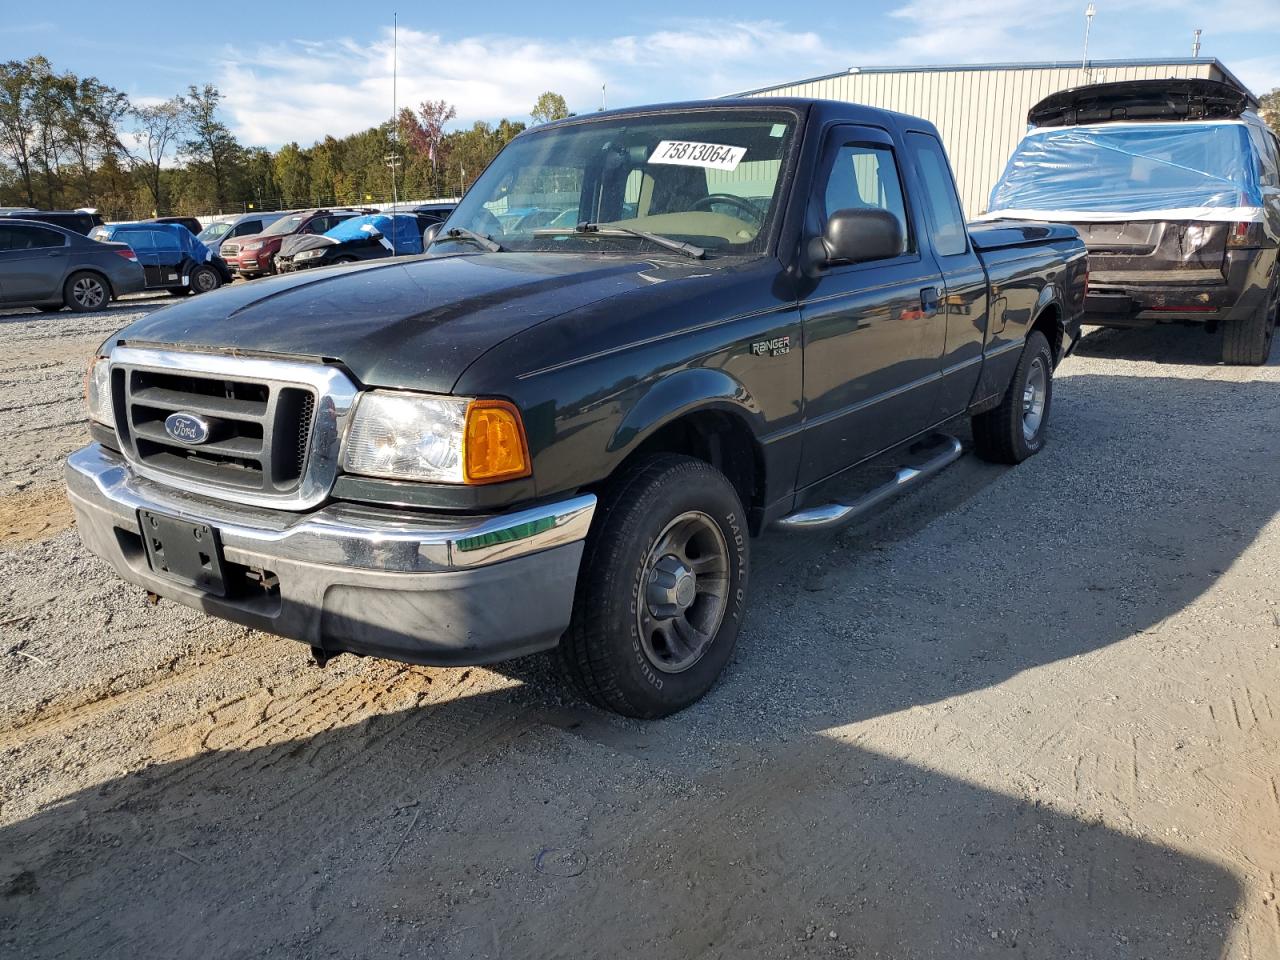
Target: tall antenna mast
{"points": [[1089, 11], [1195, 44]]}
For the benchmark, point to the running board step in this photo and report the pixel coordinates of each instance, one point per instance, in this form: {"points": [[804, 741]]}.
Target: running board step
{"points": [[940, 451]]}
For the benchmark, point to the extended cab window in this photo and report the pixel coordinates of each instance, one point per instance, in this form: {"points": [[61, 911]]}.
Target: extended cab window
{"points": [[949, 234], [866, 176]]}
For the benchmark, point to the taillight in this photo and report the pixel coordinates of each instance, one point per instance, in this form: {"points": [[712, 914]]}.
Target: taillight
{"points": [[1244, 234], [127, 254]]}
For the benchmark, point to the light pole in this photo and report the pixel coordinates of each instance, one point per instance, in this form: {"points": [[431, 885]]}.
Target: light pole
{"points": [[1089, 11]]}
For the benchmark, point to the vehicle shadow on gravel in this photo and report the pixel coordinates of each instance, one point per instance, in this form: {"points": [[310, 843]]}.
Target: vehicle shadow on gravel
{"points": [[1166, 344], [515, 846], [743, 826]]}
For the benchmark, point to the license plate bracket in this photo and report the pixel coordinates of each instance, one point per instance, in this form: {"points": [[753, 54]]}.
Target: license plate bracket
{"points": [[185, 552]]}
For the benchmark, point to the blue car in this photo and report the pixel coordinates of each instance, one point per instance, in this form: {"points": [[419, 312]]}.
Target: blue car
{"points": [[171, 258]]}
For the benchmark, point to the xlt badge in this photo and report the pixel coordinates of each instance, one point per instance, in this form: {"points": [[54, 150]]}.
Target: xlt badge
{"points": [[771, 348]]}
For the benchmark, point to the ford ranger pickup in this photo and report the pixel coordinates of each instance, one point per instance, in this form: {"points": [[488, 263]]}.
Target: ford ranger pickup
{"points": [[559, 433]]}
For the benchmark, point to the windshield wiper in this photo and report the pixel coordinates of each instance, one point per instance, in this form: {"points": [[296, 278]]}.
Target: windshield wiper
{"points": [[480, 239], [679, 246]]}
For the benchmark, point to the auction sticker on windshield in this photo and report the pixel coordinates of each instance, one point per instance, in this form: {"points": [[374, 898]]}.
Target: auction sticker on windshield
{"points": [[687, 153]]}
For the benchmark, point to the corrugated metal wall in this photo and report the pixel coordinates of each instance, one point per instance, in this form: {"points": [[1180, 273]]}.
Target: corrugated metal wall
{"points": [[980, 112]]}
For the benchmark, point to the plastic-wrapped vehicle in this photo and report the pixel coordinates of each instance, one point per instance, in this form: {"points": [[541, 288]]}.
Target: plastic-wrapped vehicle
{"points": [[370, 237], [1174, 186], [255, 255], [172, 258]]}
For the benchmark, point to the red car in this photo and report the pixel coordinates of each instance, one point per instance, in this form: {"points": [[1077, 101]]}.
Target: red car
{"points": [[254, 255]]}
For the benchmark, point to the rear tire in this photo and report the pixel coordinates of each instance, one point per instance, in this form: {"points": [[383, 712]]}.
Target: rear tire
{"points": [[662, 589], [205, 280], [1246, 341], [1015, 430], [85, 291]]}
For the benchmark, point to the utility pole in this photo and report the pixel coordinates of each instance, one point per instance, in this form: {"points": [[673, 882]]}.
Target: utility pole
{"points": [[1089, 12], [394, 159]]}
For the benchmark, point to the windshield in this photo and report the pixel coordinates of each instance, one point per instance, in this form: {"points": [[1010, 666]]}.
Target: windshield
{"points": [[284, 225], [213, 232], [709, 178], [1131, 168]]}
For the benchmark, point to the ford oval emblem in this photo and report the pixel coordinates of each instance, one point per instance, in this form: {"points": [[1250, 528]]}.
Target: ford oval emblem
{"points": [[187, 428]]}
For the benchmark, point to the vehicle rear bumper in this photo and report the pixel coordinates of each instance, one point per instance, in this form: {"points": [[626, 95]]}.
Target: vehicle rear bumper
{"points": [[408, 586], [1125, 298], [123, 285]]}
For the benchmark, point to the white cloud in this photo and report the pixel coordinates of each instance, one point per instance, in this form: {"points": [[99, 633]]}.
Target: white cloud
{"points": [[303, 91]]}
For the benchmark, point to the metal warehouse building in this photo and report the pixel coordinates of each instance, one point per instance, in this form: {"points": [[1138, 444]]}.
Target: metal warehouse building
{"points": [[981, 109]]}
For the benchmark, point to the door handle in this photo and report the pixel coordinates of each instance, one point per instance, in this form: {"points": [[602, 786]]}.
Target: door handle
{"points": [[929, 301]]}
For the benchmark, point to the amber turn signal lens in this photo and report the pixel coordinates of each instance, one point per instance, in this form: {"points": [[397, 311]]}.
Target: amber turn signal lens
{"points": [[494, 446]]}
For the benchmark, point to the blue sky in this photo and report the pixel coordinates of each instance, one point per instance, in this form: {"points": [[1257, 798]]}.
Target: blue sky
{"points": [[298, 70]]}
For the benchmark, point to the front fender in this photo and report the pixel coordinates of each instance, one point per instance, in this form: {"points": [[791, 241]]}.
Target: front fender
{"points": [[685, 391]]}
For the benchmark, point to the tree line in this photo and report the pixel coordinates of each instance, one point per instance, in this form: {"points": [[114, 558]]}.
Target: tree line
{"points": [[68, 141]]}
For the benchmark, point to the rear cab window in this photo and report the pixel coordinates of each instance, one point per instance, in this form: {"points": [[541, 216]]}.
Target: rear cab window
{"points": [[950, 237]]}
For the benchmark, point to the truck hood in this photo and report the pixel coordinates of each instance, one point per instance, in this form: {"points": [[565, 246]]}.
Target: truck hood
{"points": [[415, 324]]}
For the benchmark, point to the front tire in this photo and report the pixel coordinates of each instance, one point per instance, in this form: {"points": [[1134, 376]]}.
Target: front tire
{"points": [[85, 291], [662, 589], [1015, 429], [1246, 341]]}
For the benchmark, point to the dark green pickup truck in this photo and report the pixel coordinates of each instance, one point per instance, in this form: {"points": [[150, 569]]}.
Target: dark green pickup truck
{"points": [[559, 431]]}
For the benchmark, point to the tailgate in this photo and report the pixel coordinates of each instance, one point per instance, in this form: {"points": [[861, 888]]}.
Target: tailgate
{"points": [[1155, 252]]}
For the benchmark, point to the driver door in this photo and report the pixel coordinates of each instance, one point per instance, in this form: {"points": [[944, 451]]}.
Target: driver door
{"points": [[873, 333]]}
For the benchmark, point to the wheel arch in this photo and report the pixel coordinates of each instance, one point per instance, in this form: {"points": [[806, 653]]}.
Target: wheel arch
{"points": [[1049, 317], [702, 413], [97, 272]]}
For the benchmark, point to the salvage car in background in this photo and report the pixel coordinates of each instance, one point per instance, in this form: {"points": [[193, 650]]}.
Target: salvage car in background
{"points": [[255, 255], [50, 267], [244, 225], [78, 221], [1174, 186], [172, 258], [369, 237]]}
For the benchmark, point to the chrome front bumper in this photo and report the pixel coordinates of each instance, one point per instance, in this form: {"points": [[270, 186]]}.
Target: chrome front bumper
{"points": [[409, 586]]}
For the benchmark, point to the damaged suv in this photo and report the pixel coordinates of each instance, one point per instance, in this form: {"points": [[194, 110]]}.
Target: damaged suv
{"points": [[1174, 186]]}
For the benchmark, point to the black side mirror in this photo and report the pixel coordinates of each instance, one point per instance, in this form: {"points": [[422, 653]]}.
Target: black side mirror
{"points": [[858, 234], [429, 235]]}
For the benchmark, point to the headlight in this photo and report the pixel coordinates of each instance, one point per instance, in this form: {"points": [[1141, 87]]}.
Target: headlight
{"points": [[252, 246], [97, 392], [415, 436], [309, 254]]}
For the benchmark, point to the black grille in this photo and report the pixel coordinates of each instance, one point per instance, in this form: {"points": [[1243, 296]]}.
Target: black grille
{"points": [[258, 432]]}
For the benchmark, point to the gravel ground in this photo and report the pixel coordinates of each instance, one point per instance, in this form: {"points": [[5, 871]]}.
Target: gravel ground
{"points": [[1023, 713]]}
